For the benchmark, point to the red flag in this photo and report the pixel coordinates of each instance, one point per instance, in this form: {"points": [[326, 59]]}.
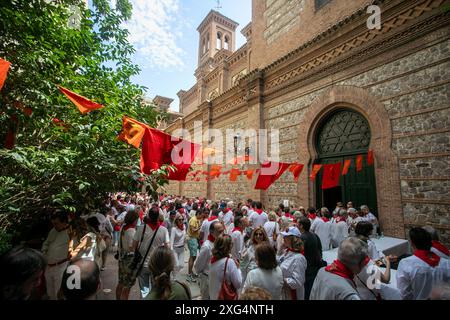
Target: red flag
{"points": [[4, 67], [370, 158], [347, 164], [315, 170], [250, 174], [270, 172], [296, 170], [331, 174], [234, 173], [359, 160], [83, 104], [159, 148]]}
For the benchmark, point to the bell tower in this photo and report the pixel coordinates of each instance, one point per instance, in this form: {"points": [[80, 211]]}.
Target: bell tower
{"points": [[216, 32]]}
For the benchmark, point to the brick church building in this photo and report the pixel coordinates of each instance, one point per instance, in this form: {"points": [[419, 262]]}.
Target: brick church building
{"points": [[334, 88]]}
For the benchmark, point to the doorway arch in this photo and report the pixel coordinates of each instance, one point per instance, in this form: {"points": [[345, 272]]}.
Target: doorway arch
{"points": [[386, 165], [341, 135]]}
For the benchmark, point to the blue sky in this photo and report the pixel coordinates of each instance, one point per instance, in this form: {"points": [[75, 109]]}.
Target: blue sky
{"points": [[164, 32]]}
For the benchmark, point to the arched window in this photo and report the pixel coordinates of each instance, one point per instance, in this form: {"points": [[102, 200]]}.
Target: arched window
{"points": [[227, 43], [219, 41]]}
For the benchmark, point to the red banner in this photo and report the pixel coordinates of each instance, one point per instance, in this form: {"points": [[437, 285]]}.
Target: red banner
{"points": [[359, 160], [331, 174], [234, 173], [315, 170], [264, 181], [347, 164], [296, 170], [4, 67]]}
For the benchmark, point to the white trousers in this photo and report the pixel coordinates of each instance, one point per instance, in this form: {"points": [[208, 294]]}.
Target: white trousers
{"points": [[53, 278], [204, 286], [179, 259]]}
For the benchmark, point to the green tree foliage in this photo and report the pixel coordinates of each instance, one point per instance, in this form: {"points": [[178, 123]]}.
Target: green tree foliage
{"points": [[50, 43]]}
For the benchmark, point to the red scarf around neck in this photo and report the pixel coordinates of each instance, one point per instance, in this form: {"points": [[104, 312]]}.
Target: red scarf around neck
{"points": [[339, 219], [325, 219], [440, 247], [237, 229], [214, 259], [211, 238], [180, 227], [258, 211], [340, 269], [212, 218], [431, 258], [312, 216], [154, 226], [130, 226]]}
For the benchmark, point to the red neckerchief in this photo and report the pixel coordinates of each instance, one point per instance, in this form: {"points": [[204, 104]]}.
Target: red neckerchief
{"points": [[338, 268], [339, 219], [212, 218], [228, 210], [258, 211], [211, 238], [312, 216], [182, 227], [214, 259], [154, 226], [130, 226], [440, 247], [141, 215], [237, 229], [325, 219], [429, 257]]}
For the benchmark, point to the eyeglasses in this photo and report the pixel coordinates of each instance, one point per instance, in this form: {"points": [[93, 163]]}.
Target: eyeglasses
{"points": [[259, 235]]}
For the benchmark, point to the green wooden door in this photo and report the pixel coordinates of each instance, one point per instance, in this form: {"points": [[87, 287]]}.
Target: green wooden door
{"points": [[343, 135]]}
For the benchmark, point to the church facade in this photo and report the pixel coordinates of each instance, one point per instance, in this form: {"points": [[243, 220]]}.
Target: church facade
{"points": [[334, 88]]}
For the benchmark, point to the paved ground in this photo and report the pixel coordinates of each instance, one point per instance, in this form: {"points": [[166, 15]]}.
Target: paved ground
{"points": [[109, 279]]}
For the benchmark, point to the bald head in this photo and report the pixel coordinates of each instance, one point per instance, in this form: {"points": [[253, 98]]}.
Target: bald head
{"points": [[81, 280]]}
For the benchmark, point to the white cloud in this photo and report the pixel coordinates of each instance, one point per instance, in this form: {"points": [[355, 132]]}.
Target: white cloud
{"points": [[154, 31]]}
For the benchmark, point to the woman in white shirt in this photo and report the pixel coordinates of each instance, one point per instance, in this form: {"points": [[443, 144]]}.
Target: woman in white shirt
{"points": [[293, 265], [177, 241], [248, 261], [220, 260], [83, 243], [125, 255], [268, 275]]}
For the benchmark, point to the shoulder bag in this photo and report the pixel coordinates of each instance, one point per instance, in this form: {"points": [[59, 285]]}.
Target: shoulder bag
{"points": [[227, 291]]}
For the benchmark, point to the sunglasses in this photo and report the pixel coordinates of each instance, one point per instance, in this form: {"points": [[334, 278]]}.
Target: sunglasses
{"points": [[259, 234]]}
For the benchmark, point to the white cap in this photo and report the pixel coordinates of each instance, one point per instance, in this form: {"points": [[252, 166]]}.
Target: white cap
{"points": [[292, 231]]}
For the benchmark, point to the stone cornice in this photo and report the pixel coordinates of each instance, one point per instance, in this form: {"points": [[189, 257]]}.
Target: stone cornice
{"points": [[217, 17]]}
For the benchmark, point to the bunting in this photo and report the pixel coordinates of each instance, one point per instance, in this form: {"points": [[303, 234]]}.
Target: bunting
{"points": [[331, 174], [234, 173], [359, 160], [315, 170], [82, 103], [370, 158], [264, 181], [296, 170], [347, 164], [249, 174]]}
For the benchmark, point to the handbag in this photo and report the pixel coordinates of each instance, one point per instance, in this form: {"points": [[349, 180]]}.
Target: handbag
{"points": [[227, 291]]}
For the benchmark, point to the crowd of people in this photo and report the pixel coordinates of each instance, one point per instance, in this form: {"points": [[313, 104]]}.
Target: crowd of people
{"points": [[236, 251]]}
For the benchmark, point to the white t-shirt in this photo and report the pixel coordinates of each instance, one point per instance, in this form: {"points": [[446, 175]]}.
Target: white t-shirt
{"points": [[232, 275], [205, 228], [256, 220], [339, 231], [127, 239], [323, 231], [202, 263], [177, 237], [161, 239], [293, 266], [416, 278], [271, 280], [238, 244]]}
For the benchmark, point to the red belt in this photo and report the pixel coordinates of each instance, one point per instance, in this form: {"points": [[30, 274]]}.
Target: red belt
{"points": [[58, 263]]}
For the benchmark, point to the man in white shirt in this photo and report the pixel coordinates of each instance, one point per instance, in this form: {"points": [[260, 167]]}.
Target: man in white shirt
{"points": [[272, 228], [228, 216], [204, 229], [56, 250], [369, 216], [323, 229], [339, 229], [161, 239], [419, 273], [237, 236], [203, 261], [335, 282], [258, 217]]}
